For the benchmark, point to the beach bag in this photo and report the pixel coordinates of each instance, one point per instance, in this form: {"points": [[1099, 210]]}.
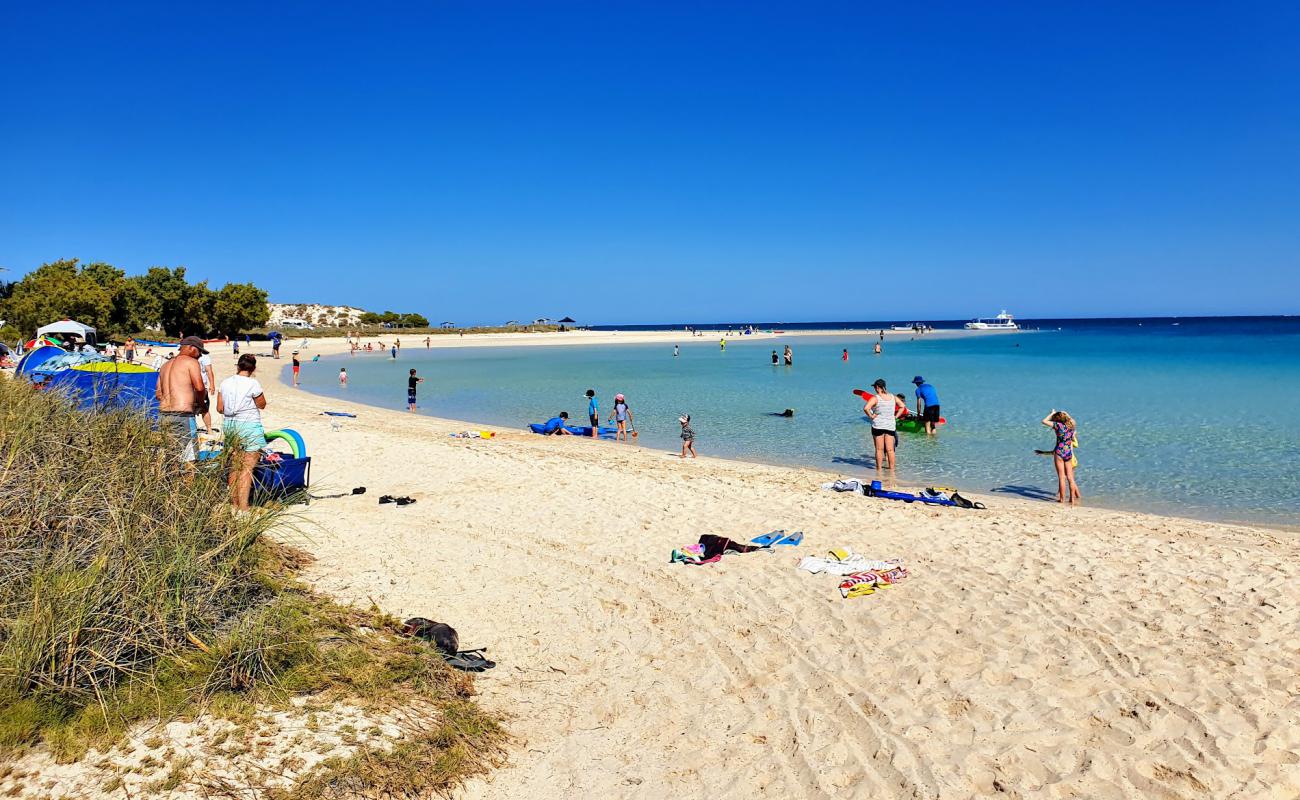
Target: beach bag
{"points": [[440, 634]]}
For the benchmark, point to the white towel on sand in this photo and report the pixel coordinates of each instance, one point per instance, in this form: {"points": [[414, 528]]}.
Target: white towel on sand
{"points": [[847, 566]]}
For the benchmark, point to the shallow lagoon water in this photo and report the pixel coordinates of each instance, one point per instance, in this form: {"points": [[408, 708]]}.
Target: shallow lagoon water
{"points": [[1199, 420]]}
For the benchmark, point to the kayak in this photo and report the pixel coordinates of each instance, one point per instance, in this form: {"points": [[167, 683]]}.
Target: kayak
{"points": [[909, 424]]}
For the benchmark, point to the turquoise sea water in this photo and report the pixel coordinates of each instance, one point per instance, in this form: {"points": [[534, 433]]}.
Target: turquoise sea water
{"points": [[1198, 419]]}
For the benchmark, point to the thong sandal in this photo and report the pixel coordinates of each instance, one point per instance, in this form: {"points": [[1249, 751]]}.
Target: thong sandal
{"points": [[469, 660]]}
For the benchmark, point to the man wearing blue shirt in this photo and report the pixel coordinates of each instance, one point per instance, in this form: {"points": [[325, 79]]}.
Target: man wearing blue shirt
{"points": [[926, 396]]}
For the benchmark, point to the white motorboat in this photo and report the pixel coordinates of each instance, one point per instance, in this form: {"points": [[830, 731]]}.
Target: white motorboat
{"points": [[1002, 322], [915, 326]]}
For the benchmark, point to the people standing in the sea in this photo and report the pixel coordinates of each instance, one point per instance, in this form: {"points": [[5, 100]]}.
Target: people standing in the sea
{"points": [[1063, 425], [882, 407], [927, 404], [676, 351], [788, 355], [240, 402], [722, 344], [593, 412], [688, 436], [426, 343], [845, 355], [343, 376], [411, 382], [397, 344], [622, 417], [297, 365], [775, 359], [877, 349], [393, 352]]}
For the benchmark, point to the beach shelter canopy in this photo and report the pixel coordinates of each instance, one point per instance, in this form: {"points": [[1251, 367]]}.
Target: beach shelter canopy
{"points": [[568, 321], [35, 358], [68, 327]]}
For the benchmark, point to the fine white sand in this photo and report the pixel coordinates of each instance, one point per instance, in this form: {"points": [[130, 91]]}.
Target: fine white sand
{"points": [[1036, 651]]}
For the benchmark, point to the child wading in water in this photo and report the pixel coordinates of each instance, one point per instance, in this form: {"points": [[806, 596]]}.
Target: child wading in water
{"points": [[1062, 424], [688, 435], [622, 415]]}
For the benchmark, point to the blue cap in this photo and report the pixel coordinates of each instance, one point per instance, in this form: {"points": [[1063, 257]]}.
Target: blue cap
{"points": [[918, 379]]}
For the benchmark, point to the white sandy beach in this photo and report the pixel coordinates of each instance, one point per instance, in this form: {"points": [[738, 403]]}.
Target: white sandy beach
{"points": [[1036, 650]]}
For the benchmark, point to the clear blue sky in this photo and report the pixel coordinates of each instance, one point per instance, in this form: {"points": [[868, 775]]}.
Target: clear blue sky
{"points": [[624, 162]]}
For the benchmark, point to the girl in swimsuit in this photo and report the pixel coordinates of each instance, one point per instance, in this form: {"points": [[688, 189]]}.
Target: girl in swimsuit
{"points": [[622, 415], [688, 435], [1062, 424]]}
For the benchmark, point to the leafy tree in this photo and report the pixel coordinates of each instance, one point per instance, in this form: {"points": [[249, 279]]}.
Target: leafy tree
{"points": [[169, 288], [55, 291], [200, 304], [370, 318], [106, 275], [239, 307], [135, 308]]}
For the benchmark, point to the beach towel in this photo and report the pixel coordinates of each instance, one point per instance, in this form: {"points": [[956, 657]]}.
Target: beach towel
{"points": [[863, 583], [709, 550], [846, 486], [843, 561]]}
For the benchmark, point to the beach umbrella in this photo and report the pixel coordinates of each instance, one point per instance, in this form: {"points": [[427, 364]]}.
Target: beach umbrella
{"points": [[568, 321]]}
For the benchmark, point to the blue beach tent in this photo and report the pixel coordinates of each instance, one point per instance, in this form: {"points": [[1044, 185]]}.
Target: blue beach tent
{"points": [[107, 385], [35, 358]]}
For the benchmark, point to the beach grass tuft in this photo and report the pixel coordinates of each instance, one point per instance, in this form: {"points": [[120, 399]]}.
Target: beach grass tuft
{"points": [[129, 591]]}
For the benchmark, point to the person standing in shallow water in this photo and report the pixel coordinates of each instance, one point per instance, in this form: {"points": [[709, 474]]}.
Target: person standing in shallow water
{"points": [[688, 435], [789, 356], [593, 412], [1063, 425], [411, 382], [883, 408], [845, 355], [775, 359]]}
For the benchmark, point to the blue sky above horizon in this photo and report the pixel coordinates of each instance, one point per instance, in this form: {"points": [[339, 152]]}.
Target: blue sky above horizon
{"points": [[638, 163]]}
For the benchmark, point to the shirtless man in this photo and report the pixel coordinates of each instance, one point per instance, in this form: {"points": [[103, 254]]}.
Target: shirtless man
{"points": [[180, 387]]}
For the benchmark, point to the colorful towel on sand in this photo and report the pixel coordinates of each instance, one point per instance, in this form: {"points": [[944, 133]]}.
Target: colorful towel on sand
{"points": [[710, 549], [864, 583]]}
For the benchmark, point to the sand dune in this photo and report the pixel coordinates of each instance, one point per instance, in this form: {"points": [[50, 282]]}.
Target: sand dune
{"points": [[1035, 651]]}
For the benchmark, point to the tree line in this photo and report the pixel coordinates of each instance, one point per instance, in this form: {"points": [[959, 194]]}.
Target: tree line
{"points": [[115, 304], [391, 318]]}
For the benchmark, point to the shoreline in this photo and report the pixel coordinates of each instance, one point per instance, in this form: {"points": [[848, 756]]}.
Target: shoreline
{"points": [[1044, 648], [339, 347]]}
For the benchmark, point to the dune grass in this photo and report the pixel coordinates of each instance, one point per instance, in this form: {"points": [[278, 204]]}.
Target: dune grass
{"points": [[129, 591]]}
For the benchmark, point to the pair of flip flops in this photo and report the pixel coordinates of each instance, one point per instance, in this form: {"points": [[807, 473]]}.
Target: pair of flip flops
{"points": [[469, 660], [401, 501], [778, 537]]}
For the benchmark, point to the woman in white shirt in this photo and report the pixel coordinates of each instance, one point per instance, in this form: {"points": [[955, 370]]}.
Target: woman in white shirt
{"points": [[240, 402]]}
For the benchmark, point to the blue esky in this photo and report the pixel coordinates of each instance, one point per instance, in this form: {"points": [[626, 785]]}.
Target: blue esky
{"points": [[653, 162]]}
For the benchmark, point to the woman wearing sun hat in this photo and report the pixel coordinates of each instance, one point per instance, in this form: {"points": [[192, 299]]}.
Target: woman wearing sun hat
{"points": [[622, 416]]}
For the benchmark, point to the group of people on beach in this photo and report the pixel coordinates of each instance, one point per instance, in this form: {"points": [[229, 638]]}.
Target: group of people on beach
{"points": [[186, 382], [185, 385]]}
